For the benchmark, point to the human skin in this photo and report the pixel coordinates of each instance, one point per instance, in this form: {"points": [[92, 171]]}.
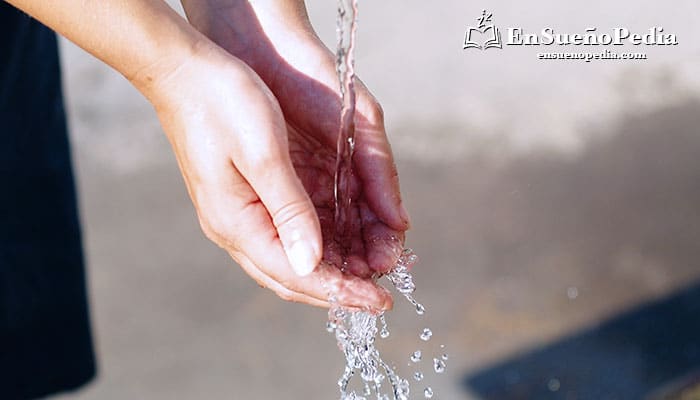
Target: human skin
{"points": [[236, 150], [277, 40]]}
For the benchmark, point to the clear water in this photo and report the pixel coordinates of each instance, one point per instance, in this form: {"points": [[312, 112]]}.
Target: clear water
{"points": [[438, 365], [416, 356], [356, 331], [345, 66]]}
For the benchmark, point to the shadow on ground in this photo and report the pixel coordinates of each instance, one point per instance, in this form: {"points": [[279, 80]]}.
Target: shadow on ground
{"points": [[615, 226], [627, 357]]}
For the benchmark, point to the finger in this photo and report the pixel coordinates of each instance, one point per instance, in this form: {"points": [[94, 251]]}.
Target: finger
{"points": [[266, 282], [355, 254], [243, 226], [375, 163], [383, 244], [261, 155], [324, 272]]}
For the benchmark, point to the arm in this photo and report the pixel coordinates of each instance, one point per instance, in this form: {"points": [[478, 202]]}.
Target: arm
{"points": [[229, 137], [140, 39]]}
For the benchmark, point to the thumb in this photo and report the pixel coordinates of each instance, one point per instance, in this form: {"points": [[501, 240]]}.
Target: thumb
{"points": [[268, 169], [296, 221]]}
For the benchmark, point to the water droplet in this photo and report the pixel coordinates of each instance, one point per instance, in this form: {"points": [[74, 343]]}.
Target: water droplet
{"points": [[384, 333], [403, 390], [445, 357], [420, 310], [418, 376], [428, 392], [368, 390], [442, 346], [416, 356], [438, 365], [572, 292], [330, 326], [426, 334], [553, 385]]}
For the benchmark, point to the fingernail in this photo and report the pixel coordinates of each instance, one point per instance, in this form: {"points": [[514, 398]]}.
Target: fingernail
{"points": [[404, 215], [388, 302], [302, 257]]}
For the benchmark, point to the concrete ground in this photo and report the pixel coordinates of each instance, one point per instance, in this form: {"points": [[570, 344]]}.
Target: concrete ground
{"points": [[547, 198]]}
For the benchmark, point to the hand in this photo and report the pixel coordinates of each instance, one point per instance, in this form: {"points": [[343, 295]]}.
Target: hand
{"points": [[275, 38], [230, 140], [231, 143]]}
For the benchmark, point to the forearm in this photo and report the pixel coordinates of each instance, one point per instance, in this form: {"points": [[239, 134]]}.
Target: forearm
{"points": [[139, 38], [286, 14]]}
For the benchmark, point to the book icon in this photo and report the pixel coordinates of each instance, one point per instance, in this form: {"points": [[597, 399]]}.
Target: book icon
{"points": [[488, 34]]}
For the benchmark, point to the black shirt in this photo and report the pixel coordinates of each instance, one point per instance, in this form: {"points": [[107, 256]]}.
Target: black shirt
{"points": [[45, 343]]}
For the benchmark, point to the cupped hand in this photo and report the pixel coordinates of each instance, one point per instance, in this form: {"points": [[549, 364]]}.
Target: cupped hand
{"points": [[235, 152], [275, 38]]}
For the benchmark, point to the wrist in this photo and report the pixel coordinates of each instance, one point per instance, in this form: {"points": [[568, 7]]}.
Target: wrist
{"points": [[246, 19], [170, 51]]}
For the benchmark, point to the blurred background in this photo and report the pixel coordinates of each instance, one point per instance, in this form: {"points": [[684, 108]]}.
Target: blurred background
{"points": [[555, 207]]}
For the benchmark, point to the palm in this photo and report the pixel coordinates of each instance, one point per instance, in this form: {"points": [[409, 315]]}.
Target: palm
{"points": [[312, 112], [373, 246]]}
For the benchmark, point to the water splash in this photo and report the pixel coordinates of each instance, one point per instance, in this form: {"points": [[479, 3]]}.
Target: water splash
{"points": [[356, 333], [416, 356], [438, 365], [401, 278]]}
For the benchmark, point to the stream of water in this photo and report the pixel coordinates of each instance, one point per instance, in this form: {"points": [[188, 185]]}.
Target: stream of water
{"points": [[345, 66], [356, 331]]}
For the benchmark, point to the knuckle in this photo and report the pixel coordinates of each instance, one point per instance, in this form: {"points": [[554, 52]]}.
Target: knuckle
{"points": [[270, 160], [375, 114], [219, 231], [217, 221], [211, 230], [287, 284], [261, 282], [264, 161], [286, 294], [282, 216]]}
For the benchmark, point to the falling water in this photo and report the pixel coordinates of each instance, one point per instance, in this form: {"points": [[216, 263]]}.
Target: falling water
{"points": [[356, 331], [345, 66]]}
